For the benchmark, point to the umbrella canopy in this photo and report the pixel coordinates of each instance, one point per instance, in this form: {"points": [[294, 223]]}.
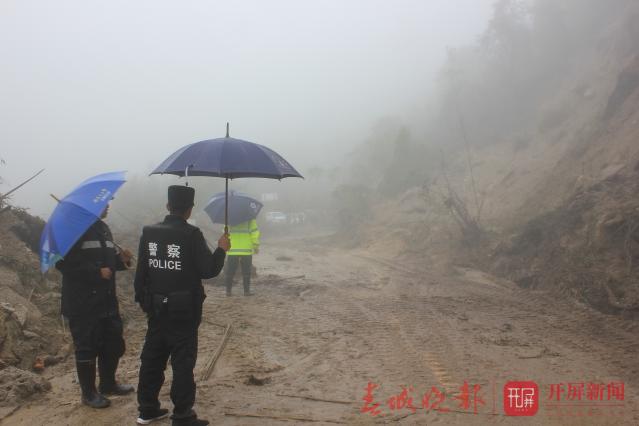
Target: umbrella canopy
{"points": [[229, 158], [74, 214], [242, 208]]}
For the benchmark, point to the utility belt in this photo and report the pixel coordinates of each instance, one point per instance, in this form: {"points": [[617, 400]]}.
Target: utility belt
{"points": [[178, 306]]}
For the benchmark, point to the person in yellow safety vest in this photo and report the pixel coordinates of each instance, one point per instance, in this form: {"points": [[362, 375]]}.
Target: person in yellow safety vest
{"points": [[245, 241]]}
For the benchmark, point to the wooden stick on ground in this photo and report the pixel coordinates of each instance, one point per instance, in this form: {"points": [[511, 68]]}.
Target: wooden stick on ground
{"points": [[211, 363], [310, 398], [278, 280], [10, 412], [291, 418], [215, 324]]}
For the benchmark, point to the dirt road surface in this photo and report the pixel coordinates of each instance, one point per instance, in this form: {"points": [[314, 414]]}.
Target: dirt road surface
{"points": [[326, 322]]}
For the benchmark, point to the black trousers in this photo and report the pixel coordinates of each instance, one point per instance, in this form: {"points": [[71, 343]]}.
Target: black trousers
{"points": [[164, 338], [97, 337], [232, 262]]}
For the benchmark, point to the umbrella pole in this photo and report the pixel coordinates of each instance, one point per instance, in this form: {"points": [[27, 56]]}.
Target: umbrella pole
{"points": [[226, 208]]}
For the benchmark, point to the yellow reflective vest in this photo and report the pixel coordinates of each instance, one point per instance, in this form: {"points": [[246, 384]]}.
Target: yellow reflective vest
{"points": [[244, 238]]}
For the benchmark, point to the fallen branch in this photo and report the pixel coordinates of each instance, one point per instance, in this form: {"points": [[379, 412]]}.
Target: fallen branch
{"points": [[215, 324], [539, 355], [3, 196], [10, 412], [286, 279], [211, 363], [310, 398], [291, 418]]}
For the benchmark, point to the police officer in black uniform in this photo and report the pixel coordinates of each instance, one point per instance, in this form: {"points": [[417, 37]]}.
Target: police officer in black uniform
{"points": [[90, 304], [173, 259]]}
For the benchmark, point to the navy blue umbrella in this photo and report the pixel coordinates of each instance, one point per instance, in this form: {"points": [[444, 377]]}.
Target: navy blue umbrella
{"points": [[242, 208], [229, 158]]}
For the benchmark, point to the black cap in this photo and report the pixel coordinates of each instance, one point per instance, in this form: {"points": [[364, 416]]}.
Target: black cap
{"points": [[181, 197]]}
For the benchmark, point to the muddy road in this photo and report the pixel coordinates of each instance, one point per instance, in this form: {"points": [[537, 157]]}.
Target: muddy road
{"points": [[326, 322]]}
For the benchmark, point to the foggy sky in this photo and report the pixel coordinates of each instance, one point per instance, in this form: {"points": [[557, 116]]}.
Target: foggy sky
{"points": [[88, 87]]}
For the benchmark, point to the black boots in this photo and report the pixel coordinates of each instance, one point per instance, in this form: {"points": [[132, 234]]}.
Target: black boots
{"points": [[86, 377], [188, 418], [108, 385], [246, 281], [189, 422]]}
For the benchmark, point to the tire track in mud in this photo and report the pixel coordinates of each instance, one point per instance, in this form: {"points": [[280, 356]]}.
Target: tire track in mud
{"points": [[331, 334], [419, 325], [609, 344], [401, 328], [383, 338]]}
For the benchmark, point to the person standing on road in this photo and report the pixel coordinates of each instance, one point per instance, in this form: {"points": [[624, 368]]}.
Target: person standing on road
{"points": [[245, 242], [90, 304], [172, 261]]}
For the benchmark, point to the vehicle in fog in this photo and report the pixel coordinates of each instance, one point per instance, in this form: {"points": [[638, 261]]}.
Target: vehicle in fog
{"points": [[276, 218]]}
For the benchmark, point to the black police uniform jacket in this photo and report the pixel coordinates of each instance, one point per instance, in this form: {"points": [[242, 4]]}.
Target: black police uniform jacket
{"points": [[84, 292], [173, 258]]}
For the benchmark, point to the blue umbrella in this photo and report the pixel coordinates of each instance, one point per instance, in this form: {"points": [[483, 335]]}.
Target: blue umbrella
{"points": [[74, 214], [229, 158], [242, 208]]}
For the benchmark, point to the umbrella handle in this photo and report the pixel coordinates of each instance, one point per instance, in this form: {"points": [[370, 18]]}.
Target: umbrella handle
{"points": [[121, 250], [186, 174], [226, 207]]}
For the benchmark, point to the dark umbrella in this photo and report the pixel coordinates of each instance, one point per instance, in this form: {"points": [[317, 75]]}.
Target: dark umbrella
{"points": [[229, 158], [242, 208]]}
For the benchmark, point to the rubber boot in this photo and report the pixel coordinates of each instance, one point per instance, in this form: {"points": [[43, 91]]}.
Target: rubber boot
{"points": [[229, 285], [86, 377], [246, 281], [108, 386]]}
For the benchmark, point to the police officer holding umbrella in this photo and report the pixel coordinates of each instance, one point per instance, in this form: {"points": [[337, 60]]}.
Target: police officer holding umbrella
{"points": [[89, 302], [173, 259]]}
